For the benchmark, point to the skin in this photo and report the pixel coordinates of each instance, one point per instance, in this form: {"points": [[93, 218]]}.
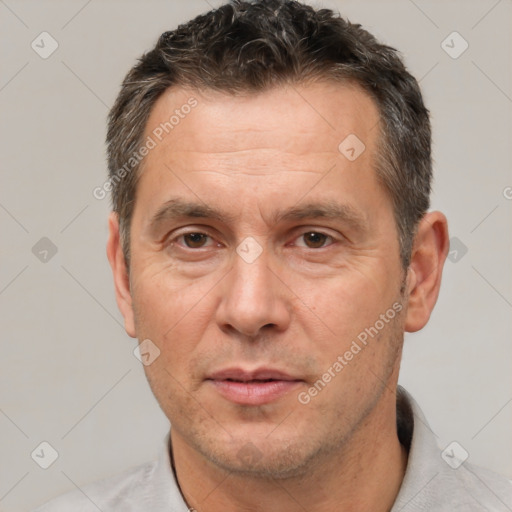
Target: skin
{"points": [[297, 307]]}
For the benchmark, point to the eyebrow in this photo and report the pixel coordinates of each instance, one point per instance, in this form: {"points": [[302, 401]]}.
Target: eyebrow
{"points": [[325, 210], [178, 208]]}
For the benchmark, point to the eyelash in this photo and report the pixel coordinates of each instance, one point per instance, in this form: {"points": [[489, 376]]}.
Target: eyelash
{"points": [[181, 235]]}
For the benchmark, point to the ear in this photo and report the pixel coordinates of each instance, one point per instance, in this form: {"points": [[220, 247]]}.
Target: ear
{"points": [[430, 248], [121, 280]]}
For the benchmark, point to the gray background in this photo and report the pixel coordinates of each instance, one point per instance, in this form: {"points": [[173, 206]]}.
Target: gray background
{"points": [[68, 374]]}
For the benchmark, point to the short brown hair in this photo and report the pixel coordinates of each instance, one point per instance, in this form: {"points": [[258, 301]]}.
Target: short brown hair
{"points": [[247, 46]]}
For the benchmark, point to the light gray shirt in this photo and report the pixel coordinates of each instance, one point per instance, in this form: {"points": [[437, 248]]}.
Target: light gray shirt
{"points": [[435, 480]]}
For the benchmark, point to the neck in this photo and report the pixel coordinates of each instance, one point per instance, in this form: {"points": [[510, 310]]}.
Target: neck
{"points": [[365, 474]]}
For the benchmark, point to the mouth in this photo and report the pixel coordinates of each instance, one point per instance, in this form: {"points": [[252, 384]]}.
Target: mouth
{"points": [[256, 387]]}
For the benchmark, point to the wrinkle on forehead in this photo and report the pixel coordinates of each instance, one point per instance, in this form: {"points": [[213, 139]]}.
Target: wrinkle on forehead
{"points": [[252, 162], [260, 117], [249, 173]]}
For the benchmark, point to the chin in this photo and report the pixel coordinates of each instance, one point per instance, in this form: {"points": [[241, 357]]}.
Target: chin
{"points": [[263, 459]]}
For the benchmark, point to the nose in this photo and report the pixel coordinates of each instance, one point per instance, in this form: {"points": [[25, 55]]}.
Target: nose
{"points": [[254, 299]]}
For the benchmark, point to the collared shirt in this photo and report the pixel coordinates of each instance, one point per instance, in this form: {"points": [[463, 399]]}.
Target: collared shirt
{"points": [[434, 480]]}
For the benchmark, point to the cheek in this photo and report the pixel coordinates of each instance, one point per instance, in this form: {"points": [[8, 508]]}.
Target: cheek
{"points": [[172, 313], [164, 295], [343, 306]]}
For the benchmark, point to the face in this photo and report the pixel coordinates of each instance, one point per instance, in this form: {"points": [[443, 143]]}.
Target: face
{"points": [[265, 268]]}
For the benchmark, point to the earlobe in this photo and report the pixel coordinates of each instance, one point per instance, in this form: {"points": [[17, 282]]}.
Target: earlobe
{"points": [[429, 253], [120, 273]]}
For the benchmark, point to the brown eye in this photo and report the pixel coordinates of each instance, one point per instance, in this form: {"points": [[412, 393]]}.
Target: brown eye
{"points": [[315, 240], [195, 240]]}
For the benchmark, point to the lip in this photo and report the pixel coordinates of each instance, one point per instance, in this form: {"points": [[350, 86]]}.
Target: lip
{"points": [[252, 387]]}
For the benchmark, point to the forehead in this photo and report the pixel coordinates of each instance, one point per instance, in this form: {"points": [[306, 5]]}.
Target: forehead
{"points": [[251, 150], [295, 119]]}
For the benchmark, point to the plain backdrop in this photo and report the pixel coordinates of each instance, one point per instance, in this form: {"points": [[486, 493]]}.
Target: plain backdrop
{"points": [[68, 374]]}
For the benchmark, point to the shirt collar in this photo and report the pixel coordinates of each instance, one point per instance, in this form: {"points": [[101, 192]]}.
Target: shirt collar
{"points": [[442, 480]]}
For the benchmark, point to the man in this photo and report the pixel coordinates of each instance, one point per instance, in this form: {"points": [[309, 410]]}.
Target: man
{"points": [[270, 244]]}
